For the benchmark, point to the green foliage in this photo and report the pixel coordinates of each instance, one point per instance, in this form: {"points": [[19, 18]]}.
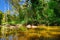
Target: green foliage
{"points": [[1, 17], [35, 12], [9, 18], [22, 29], [52, 4]]}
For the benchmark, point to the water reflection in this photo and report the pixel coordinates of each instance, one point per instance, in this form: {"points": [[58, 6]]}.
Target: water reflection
{"points": [[10, 37], [15, 37], [2, 39], [42, 33]]}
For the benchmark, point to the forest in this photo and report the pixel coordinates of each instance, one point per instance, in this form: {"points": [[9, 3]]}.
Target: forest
{"points": [[32, 12], [31, 20]]}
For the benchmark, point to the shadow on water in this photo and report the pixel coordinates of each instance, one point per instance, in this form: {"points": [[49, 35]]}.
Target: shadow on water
{"points": [[43, 38], [11, 37]]}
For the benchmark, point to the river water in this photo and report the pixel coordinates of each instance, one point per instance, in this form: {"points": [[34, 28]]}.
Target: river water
{"points": [[10, 37], [25, 36]]}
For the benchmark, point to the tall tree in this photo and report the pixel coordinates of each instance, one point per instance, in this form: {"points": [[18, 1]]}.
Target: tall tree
{"points": [[1, 17]]}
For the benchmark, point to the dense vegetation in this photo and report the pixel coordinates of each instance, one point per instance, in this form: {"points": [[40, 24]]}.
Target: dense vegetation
{"points": [[34, 12], [20, 21]]}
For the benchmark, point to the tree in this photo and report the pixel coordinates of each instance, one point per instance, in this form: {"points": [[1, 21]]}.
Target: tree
{"points": [[1, 17], [37, 11], [54, 5]]}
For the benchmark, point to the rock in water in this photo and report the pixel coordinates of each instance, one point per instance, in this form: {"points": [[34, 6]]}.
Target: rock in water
{"points": [[28, 26], [34, 26]]}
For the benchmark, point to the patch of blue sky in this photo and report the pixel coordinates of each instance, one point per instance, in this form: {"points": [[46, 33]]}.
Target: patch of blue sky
{"points": [[22, 2], [4, 6]]}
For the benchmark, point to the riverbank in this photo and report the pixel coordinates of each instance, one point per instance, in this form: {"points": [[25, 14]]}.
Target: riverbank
{"points": [[41, 31]]}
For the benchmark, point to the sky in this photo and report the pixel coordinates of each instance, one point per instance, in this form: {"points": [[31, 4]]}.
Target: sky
{"points": [[4, 6]]}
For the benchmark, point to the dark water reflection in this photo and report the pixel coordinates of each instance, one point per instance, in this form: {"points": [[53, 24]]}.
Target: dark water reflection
{"points": [[24, 37], [16, 38], [2, 39], [10, 37]]}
